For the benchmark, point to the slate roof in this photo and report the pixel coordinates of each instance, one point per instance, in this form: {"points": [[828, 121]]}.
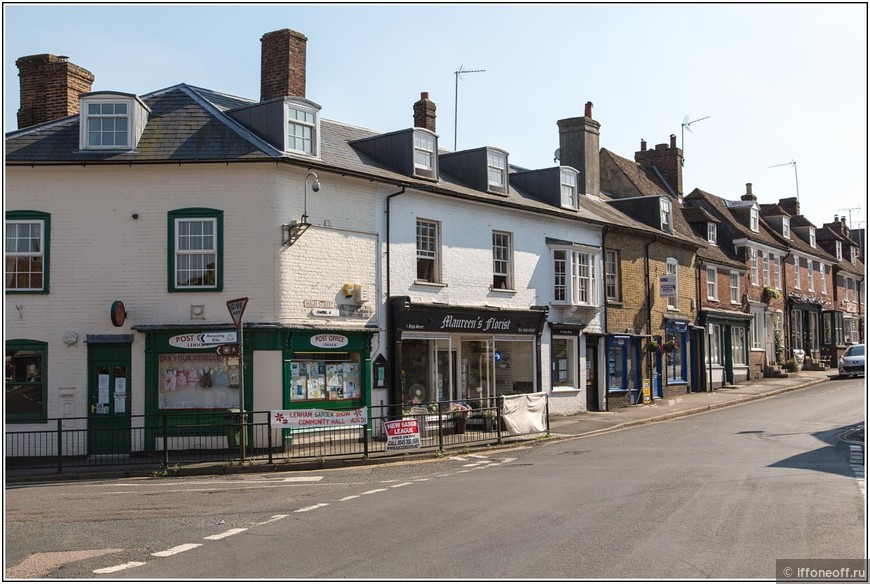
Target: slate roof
{"points": [[730, 227], [646, 179]]}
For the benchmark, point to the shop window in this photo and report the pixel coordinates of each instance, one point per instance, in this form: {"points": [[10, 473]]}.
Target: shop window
{"points": [[676, 359], [563, 356], [797, 329], [622, 360], [192, 381], [714, 353], [196, 250], [27, 239], [738, 345], [758, 332], [26, 381], [514, 363], [324, 377]]}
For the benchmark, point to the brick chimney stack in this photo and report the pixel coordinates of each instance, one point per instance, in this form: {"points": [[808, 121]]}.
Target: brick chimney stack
{"points": [[424, 112], [791, 206], [50, 88], [668, 159], [282, 64], [579, 148], [748, 196]]}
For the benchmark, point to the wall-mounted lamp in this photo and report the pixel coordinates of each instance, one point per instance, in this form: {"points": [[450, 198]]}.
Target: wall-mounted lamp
{"points": [[295, 229]]}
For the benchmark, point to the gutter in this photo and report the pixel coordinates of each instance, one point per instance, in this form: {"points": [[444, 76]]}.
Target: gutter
{"points": [[391, 333]]}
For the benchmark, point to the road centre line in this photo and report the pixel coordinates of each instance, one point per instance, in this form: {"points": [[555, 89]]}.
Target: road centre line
{"points": [[118, 568], [400, 485], [274, 518], [348, 498], [226, 533], [302, 479], [311, 508], [373, 491], [176, 550]]}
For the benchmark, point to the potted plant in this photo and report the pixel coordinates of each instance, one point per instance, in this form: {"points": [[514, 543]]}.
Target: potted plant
{"points": [[460, 412], [488, 420]]}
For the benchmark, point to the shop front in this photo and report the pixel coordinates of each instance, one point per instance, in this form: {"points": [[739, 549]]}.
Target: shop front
{"points": [[728, 339], [462, 353]]}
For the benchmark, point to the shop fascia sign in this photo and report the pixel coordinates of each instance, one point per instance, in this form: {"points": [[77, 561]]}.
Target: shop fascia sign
{"points": [[471, 322], [329, 341], [202, 340]]}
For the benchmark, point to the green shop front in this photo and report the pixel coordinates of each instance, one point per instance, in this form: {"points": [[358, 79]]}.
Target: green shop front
{"points": [[198, 380]]}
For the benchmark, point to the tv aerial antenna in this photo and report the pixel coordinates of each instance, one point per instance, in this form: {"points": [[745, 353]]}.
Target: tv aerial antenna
{"points": [[458, 73], [794, 164], [686, 126], [850, 209]]}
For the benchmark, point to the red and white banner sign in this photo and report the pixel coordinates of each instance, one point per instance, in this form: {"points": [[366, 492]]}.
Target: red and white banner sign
{"points": [[402, 434], [316, 418]]}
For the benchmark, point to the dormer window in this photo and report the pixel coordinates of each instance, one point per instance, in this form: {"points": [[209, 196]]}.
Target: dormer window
{"points": [[812, 237], [424, 154], [496, 163], [665, 206], [568, 181], [711, 233], [111, 121], [753, 219], [302, 130], [839, 249], [786, 228], [854, 251]]}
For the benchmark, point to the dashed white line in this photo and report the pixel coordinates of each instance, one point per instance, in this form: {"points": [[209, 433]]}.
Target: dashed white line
{"points": [[400, 485], [348, 498], [176, 550], [311, 508], [302, 479], [227, 533], [274, 518], [373, 491], [118, 568]]}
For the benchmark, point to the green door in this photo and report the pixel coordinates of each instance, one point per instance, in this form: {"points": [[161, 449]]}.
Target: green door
{"points": [[109, 399]]}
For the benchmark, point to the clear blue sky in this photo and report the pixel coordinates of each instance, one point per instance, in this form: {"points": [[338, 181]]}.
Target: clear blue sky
{"points": [[780, 83]]}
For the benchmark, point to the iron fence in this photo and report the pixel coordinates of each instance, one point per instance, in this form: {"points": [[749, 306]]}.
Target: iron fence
{"points": [[177, 438]]}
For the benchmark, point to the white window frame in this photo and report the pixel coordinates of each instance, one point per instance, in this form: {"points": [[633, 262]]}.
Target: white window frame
{"points": [[753, 266], [612, 284], [424, 153], [88, 116], [667, 220], [765, 268], [823, 279], [758, 333], [428, 249], [811, 279], [568, 185], [711, 233], [797, 272], [786, 227], [14, 255], [753, 219], [712, 284], [854, 252], [572, 381], [812, 232], [496, 171], [839, 247], [777, 272], [575, 281], [502, 260], [738, 345], [183, 254], [672, 267], [302, 129], [734, 287], [715, 338]]}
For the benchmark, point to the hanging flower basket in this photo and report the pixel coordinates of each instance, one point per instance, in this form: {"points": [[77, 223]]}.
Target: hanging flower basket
{"points": [[652, 346], [770, 293], [669, 346]]}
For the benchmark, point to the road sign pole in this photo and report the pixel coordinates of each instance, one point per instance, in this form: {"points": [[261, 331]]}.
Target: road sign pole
{"points": [[237, 310]]}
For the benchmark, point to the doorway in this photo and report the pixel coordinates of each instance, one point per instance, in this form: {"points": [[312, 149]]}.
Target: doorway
{"points": [[592, 402], [109, 426]]}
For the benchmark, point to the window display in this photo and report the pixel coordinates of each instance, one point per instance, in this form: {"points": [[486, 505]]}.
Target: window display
{"points": [[324, 377], [198, 381]]}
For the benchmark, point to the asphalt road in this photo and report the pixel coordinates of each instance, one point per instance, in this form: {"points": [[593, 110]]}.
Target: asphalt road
{"points": [[719, 495]]}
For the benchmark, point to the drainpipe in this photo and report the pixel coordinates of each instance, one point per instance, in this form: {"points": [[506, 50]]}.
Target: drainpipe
{"points": [[392, 342], [786, 317], [603, 353]]}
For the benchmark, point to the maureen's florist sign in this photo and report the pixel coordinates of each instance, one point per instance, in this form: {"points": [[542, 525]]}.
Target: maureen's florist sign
{"points": [[316, 418]]}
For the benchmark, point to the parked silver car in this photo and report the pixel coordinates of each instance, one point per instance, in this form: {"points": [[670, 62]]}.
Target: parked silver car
{"points": [[852, 362]]}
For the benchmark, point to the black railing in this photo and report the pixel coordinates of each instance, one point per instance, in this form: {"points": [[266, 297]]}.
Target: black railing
{"points": [[175, 438]]}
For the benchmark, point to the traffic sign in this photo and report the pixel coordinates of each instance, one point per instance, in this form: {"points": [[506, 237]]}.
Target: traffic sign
{"points": [[228, 350], [237, 308]]}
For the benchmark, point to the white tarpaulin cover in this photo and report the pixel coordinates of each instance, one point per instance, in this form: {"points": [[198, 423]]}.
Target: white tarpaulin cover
{"points": [[525, 413]]}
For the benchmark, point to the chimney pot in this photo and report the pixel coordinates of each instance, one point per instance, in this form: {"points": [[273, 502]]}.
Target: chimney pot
{"points": [[748, 188], [673, 140], [642, 145], [588, 111]]}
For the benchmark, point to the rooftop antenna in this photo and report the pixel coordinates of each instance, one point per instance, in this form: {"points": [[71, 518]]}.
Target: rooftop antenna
{"points": [[794, 164], [686, 124], [458, 73], [850, 209]]}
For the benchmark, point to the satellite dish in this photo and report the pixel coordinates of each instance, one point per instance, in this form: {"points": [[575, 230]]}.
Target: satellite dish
{"points": [[557, 155]]}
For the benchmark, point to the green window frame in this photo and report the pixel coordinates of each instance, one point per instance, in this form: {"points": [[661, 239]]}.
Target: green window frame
{"points": [[26, 388], [196, 250], [16, 224]]}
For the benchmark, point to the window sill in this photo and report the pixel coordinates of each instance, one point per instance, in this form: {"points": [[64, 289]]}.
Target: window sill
{"points": [[565, 389], [430, 284], [505, 290]]}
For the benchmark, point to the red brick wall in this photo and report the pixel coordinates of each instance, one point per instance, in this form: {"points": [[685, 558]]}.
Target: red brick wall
{"points": [[50, 88]]}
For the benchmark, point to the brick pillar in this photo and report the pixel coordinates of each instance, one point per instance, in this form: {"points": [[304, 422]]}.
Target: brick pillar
{"points": [[667, 158], [50, 88], [424, 112], [282, 64], [579, 148]]}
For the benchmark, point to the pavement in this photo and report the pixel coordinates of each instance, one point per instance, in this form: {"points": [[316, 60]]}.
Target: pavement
{"points": [[561, 427]]}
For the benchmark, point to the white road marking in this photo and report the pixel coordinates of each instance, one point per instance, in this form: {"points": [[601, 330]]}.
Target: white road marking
{"points": [[373, 491], [176, 550], [302, 479], [226, 533], [118, 568], [274, 518], [400, 485], [311, 508], [350, 497]]}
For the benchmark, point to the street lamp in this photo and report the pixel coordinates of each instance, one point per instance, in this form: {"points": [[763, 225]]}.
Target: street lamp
{"points": [[296, 228]]}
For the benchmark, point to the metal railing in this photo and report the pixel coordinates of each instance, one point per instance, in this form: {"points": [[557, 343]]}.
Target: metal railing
{"points": [[178, 438]]}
